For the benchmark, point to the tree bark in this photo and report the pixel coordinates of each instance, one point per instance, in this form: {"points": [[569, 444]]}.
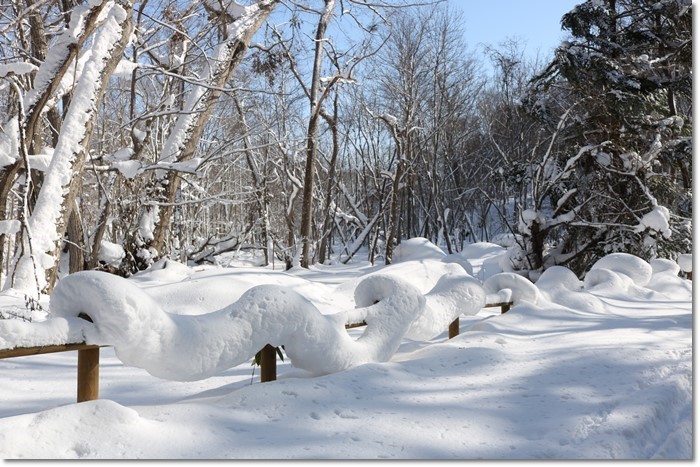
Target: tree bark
{"points": [[183, 141], [328, 216], [69, 156], [312, 136]]}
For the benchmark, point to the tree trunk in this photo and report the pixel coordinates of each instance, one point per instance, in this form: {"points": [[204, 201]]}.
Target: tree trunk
{"points": [[312, 135], [394, 212], [46, 82], [49, 220], [75, 247], [184, 138], [328, 216]]}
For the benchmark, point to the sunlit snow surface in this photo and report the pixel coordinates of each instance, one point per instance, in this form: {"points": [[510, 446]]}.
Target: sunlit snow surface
{"points": [[599, 368]]}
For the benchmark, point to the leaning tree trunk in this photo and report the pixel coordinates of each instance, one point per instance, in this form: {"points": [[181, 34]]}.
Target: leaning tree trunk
{"points": [[187, 131], [47, 224], [64, 51]]}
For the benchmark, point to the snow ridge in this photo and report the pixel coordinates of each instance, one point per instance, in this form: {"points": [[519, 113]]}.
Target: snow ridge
{"points": [[187, 348]]}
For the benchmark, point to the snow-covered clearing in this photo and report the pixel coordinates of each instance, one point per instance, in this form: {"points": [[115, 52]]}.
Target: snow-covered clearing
{"points": [[594, 369]]}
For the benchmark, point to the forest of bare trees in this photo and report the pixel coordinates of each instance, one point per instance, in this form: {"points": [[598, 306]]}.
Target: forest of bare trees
{"points": [[315, 131]]}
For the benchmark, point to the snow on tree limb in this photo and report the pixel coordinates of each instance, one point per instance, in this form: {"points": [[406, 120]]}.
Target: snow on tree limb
{"points": [[50, 216], [83, 22], [184, 137]]}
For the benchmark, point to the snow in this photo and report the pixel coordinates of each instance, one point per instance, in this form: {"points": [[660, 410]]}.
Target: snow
{"points": [[111, 253], [147, 223], [18, 333], [59, 52], [187, 348], [41, 161], [9, 227], [124, 69], [9, 142], [527, 217], [685, 262], [635, 268], [44, 221], [17, 68], [657, 219], [417, 248], [123, 154], [508, 286], [139, 134], [129, 169], [244, 19], [592, 369]]}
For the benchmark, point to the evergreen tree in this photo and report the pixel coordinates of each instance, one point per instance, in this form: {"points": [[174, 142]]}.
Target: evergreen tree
{"points": [[625, 77]]}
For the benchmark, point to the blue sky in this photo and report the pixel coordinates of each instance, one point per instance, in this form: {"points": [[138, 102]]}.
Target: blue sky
{"points": [[535, 22]]}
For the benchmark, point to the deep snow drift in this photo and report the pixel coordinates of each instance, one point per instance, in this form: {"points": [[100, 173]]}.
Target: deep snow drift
{"points": [[599, 368]]}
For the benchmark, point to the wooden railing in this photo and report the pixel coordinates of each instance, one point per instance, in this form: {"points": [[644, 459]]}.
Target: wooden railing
{"points": [[453, 331], [88, 387], [268, 355]]}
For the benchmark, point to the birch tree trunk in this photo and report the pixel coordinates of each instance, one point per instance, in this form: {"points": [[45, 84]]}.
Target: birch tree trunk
{"points": [[187, 131], [36, 268], [82, 23]]}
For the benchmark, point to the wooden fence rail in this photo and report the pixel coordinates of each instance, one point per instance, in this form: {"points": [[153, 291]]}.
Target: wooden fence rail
{"points": [[268, 355], [88, 387], [454, 325]]}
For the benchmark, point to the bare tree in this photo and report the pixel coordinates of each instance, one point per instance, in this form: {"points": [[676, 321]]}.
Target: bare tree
{"points": [[44, 229]]}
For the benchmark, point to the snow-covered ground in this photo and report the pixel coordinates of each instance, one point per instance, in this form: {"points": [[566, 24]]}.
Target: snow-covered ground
{"points": [[593, 369]]}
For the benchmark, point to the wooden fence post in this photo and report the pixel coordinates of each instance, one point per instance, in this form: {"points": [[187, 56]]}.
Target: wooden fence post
{"points": [[454, 328], [268, 364], [88, 374]]}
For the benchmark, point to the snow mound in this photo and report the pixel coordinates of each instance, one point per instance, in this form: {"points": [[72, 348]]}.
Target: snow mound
{"points": [[452, 296], [665, 279], [76, 431], [187, 348], [461, 260], [659, 266], [422, 274], [559, 277], [417, 248], [561, 286], [164, 270], [631, 266], [605, 280], [685, 262], [508, 286], [198, 292], [482, 249]]}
